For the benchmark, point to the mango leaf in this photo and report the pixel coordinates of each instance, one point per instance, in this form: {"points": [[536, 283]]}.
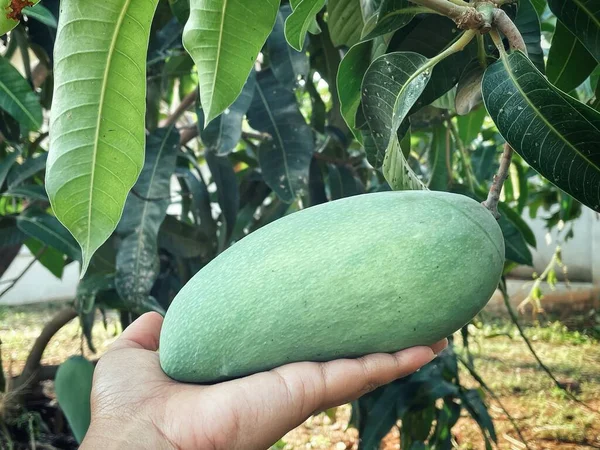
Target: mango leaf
{"points": [[390, 87], [32, 191], [201, 208], [85, 298], [438, 159], [540, 6], [222, 134], [472, 401], [137, 258], [6, 164], [224, 38], [180, 9], [484, 161], [288, 65], [569, 62], [342, 182], [396, 170], [97, 130], [49, 257], [316, 186], [49, 231], [582, 18], [41, 14], [345, 22], [285, 158], [557, 135], [22, 172], [468, 91], [469, 126], [17, 98], [225, 180], [528, 23], [10, 234], [517, 221], [390, 16], [298, 23], [182, 239]]}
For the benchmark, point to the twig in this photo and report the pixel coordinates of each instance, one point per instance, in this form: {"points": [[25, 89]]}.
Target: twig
{"points": [[507, 27], [465, 16], [187, 101], [187, 134], [493, 197], [536, 285], [18, 277], [256, 136], [515, 320], [475, 375]]}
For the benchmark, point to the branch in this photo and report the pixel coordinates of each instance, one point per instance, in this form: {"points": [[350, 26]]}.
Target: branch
{"points": [[465, 17], [494, 195], [187, 101], [515, 320], [16, 280]]}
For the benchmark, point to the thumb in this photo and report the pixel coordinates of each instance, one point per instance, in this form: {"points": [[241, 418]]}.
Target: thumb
{"points": [[143, 333]]}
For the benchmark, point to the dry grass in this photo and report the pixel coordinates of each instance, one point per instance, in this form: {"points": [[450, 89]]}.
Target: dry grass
{"points": [[548, 419]]}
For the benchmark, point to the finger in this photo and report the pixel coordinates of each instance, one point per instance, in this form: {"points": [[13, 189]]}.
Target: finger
{"points": [[279, 400], [143, 333], [438, 347]]}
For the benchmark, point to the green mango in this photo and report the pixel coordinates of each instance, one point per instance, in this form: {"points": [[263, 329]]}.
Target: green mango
{"points": [[371, 273]]}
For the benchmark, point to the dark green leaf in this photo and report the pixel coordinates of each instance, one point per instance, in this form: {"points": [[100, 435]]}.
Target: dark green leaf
{"points": [[32, 191], [10, 234], [582, 18], [316, 185], [41, 14], [285, 158], [298, 23], [342, 182], [137, 258], [528, 23], [540, 6], [180, 9], [569, 62], [438, 160], [345, 22], [50, 258], [391, 15], [485, 161], [516, 219], [469, 126], [557, 135], [223, 133], [182, 239], [515, 246], [48, 230], [6, 164], [224, 178], [474, 404], [288, 65], [17, 98], [201, 209], [22, 172]]}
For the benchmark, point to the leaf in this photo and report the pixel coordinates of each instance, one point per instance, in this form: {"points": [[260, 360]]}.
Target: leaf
{"points": [[557, 135], [316, 186], [342, 182], [396, 170], [22, 172], [390, 87], [225, 180], [10, 234], [473, 402], [97, 120], [17, 98], [41, 14], [32, 191], [49, 231], [85, 301], [528, 23], [582, 18], [469, 126], [298, 23], [137, 257], [440, 177], [202, 210], [50, 258], [6, 164], [182, 239], [345, 22], [224, 37], [569, 62], [391, 15], [540, 6], [468, 91], [222, 135], [180, 9], [484, 161], [288, 65], [285, 158]]}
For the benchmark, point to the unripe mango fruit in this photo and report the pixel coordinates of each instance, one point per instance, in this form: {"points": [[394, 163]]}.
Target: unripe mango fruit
{"points": [[371, 273], [8, 14]]}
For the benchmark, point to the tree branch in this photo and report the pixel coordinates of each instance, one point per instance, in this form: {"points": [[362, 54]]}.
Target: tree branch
{"points": [[187, 101], [465, 17], [493, 197]]}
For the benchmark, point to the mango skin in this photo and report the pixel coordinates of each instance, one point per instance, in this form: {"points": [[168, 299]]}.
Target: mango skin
{"points": [[371, 273]]}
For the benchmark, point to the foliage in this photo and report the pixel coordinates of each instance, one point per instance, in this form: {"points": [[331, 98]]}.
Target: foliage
{"points": [[400, 98]]}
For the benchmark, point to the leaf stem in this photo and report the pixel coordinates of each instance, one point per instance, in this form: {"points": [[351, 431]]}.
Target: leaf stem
{"points": [[481, 54], [493, 197], [456, 47], [507, 27]]}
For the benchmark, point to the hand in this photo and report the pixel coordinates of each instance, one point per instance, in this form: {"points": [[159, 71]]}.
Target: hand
{"points": [[135, 405]]}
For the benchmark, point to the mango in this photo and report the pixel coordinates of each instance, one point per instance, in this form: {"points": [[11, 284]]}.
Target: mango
{"points": [[371, 273]]}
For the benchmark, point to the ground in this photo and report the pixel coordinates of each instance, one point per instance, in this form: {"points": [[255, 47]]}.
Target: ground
{"points": [[547, 417]]}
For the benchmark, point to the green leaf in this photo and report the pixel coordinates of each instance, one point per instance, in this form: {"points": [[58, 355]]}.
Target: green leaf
{"points": [[469, 126], [391, 15], [285, 158], [515, 219], [32, 191], [396, 170], [557, 135], [50, 258], [22, 172], [528, 23], [182, 239], [473, 402], [17, 98], [540, 6], [137, 257], [390, 87], [298, 23], [228, 195], [484, 161], [6, 164], [316, 186], [222, 134], [97, 130], [569, 62], [288, 65], [224, 37], [201, 208], [582, 18], [342, 182], [10, 234], [440, 176], [49, 231], [41, 14], [345, 22], [180, 9]]}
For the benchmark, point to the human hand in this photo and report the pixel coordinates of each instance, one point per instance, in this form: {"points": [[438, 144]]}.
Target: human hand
{"points": [[135, 405]]}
